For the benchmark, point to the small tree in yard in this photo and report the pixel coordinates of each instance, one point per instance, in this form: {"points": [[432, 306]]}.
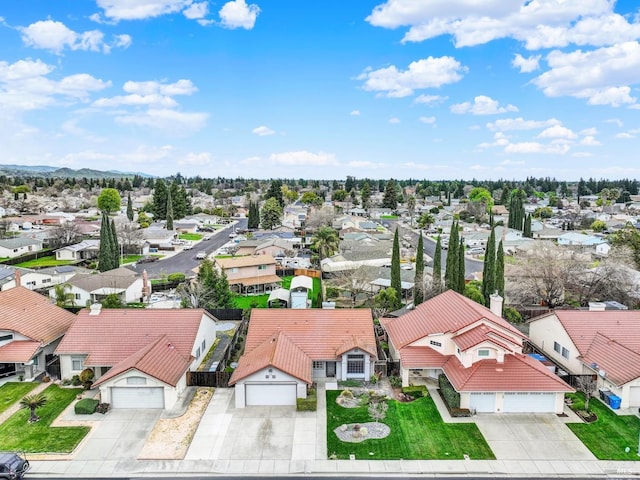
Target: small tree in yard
{"points": [[587, 385], [378, 410], [33, 402]]}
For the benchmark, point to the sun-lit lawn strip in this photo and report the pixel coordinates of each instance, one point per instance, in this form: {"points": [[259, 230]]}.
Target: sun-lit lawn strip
{"points": [[417, 432], [245, 302], [608, 436], [48, 261], [11, 392], [190, 236], [17, 434]]}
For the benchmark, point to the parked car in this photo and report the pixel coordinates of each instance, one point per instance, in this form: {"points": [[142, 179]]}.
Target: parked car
{"points": [[476, 251], [201, 255], [147, 259], [187, 246], [13, 466]]}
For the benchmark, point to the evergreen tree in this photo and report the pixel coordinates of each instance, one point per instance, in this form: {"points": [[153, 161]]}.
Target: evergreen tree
{"points": [[461, 268], [390, 198], [489, 268], [169, 224], [499, 273], [253, 220], [527, 227], [452, 269], [418, 297], [105, 252], [160, 200], [437, 268], [129, 208], [396, 280], [115, 247], [271, 215], [366, 195], [275, 191]]}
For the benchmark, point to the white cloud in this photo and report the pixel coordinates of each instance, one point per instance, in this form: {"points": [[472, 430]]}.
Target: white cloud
{"points": [[425, 73], [536, 147], [499, 140], [263, 131], [304, 158], [536, 23], [589, 131], [196, 11], [151, 93], [557, 131], [526, 65], [56, 37], [428, 120], [237, 14], [430, 99], [625, 135], [196, 159], [24, 85], [602, 76], [394, 120], [165, 119], [482, 105], [509, 124], [590, 141], [140, 9], [616, 121], [354, 113], [136, 100]]}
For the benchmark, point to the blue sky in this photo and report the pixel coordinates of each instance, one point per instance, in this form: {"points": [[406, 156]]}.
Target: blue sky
{"points": [[435, 89]]}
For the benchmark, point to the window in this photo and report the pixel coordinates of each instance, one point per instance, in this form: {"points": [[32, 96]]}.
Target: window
{"points": [[435, 344], [483, 353], [233, 270], [46, 280], [31, 284], [318, 365], [204, 344], [262, 267], [557, 347], [198, 353], [76, 363], [136, 381], [565, 352], [355, 364], [6, 337], [77, 296]]}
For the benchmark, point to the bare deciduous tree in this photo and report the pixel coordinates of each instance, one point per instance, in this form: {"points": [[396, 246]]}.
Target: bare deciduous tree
{"points": [[66, 233], [587, 385], [129, 236], [319, 217], [355, 282], [194, 294]]}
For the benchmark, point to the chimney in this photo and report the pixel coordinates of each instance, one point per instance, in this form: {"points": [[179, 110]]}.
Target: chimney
{"points": [[18, 278], [146, 290], [95, 309], [495, 304], [597, 306]]}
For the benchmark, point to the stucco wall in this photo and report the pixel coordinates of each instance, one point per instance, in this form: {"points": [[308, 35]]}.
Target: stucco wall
{"points": [[547, 330]]}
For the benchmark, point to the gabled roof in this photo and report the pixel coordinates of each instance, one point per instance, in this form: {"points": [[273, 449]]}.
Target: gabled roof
{"points": [[246, 261], [19, 242], [159, 359], [518, 373], [620, 363], [18, 351], [117, 279], [447, 312], [33, 315], [484, 333], [318, 334], [277, 351], [113, 335]]}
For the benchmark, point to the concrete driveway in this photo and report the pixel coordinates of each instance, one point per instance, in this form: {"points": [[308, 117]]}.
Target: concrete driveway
{"points": [[118, 435], [531, 437]]}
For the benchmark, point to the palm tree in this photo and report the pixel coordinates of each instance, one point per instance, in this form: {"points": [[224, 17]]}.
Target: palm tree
{"points": [[33, 402], [325, 241], [62, 296]]}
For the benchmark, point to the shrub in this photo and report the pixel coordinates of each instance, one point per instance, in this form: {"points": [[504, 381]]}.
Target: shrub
{"points": [[102, 408], [86, 406], [86, 378], [346, 393], [448, 392], [176, 277], [332, 292], [417, 391], [350, 383], [308, 404], [512, 315], [460, 412], [75, 380], [395, 381]]}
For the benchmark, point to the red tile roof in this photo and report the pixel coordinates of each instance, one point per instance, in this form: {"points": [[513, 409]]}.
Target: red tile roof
{"points": [[159, 359], [447, 312], [18, 351], [422, 357], [259, 280], [518, 373], [319, 334], [33, 315], [484, 333], [620, 364], [115, 334], [277, 351]]}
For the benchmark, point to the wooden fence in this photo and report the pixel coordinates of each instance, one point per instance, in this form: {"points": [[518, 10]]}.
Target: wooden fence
{"points": [[208, 379]]}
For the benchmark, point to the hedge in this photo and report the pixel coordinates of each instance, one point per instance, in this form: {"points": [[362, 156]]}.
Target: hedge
{"points": [[86, 406], [416, 391], [448, 392]]}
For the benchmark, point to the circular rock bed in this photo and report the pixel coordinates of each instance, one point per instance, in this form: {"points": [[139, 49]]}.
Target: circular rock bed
{"points": [[358, 432]]}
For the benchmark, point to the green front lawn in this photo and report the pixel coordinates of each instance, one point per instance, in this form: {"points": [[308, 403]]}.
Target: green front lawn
{"points": [[190, 236], [245, 302], [18, 434], [47, 261], [12, 392], [130, 259], [608, 436], [417, 432]]}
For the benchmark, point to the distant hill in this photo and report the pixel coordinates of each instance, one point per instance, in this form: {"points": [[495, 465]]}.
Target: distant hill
{"points": [[53, 172]]}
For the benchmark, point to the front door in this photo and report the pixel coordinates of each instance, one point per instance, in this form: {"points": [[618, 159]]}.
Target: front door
{"points": [[331, 369]]}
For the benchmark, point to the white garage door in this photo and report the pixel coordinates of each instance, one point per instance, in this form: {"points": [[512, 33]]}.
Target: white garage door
{"points": [[483, 402], [270, 394], [137, 397], [634, 397], [529, 402]]}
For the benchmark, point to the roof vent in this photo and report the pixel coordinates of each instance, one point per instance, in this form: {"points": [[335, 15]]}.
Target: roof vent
{"points": [[602, 373], [95, 308]]}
